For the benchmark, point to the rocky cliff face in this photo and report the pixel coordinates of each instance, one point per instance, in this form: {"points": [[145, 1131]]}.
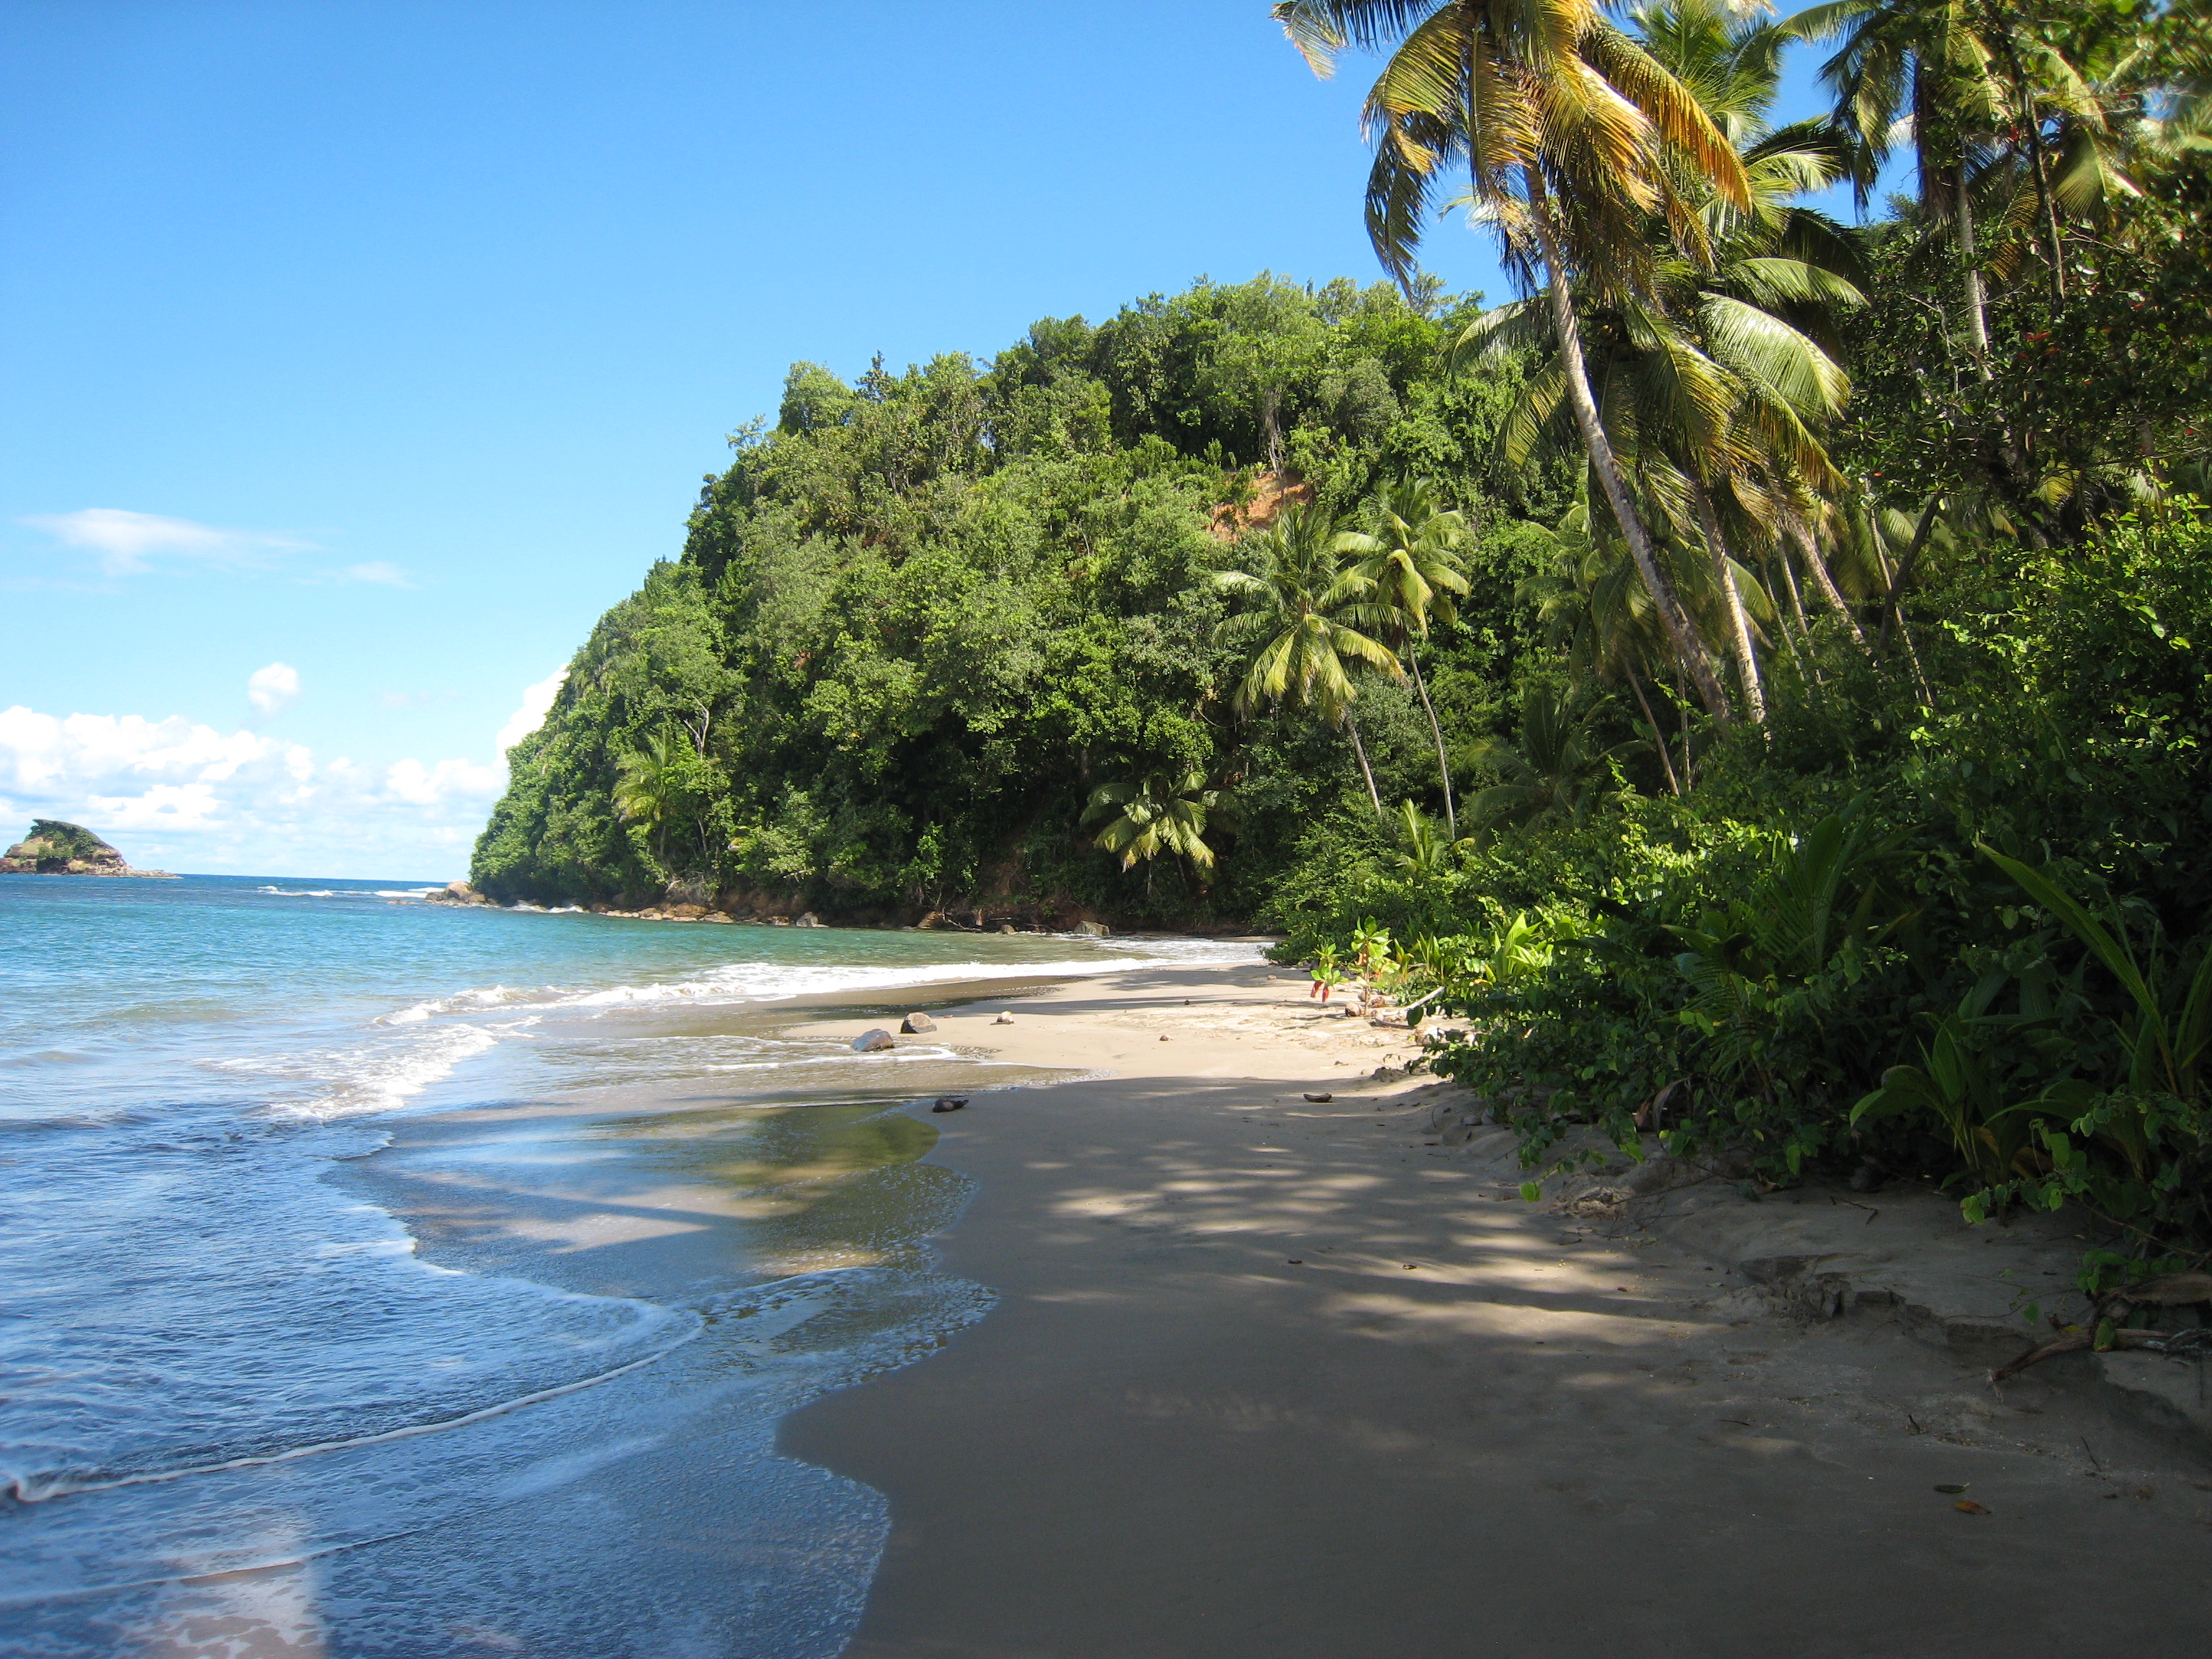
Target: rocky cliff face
{"points": [[55, 848]]}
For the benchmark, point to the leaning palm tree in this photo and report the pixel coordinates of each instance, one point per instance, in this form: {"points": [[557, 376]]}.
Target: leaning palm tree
{"points": [[1710, 376], [1413, 556], [1932, 69], [1159, 812], [1573, 136], [1307, 651]]}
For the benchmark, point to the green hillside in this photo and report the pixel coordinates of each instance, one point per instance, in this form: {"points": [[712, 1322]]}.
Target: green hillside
{"points": [[924, 616]]}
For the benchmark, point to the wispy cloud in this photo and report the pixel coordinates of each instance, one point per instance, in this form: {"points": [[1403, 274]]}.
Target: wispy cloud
{"points": [[274, 689], [126, 544], [382, 572]]}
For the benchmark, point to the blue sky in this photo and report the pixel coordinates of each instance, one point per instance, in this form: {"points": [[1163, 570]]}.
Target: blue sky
{"points": [[375, 348]]}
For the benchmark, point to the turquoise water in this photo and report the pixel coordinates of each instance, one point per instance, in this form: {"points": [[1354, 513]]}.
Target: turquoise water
{"points": [[245, 1412]]}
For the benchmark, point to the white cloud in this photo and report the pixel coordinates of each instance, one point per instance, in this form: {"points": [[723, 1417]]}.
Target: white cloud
{"points": [[382, 572], [184, 796], [536, 704], [432, 786], [123, 541], [274, 689]]}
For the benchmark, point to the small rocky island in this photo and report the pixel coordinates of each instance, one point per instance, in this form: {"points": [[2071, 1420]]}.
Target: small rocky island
{"points": [[55, 848]]}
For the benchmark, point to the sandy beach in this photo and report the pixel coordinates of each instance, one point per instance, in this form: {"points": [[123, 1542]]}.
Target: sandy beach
{"points": [[1275, 1377], [1244, 1374]]}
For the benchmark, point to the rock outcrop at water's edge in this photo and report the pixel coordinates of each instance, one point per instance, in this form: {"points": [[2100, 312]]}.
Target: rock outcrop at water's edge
{"points": [[56, 848], [456, 892]]}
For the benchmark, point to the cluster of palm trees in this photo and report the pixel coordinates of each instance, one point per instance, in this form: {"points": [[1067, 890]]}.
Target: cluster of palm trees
{"points": [[1327, 602], [1684, 305], [1326, 605], [1682, 330]]}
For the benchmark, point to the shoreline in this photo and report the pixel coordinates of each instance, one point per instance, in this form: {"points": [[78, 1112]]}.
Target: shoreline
{"points": [[1268, 1376]]}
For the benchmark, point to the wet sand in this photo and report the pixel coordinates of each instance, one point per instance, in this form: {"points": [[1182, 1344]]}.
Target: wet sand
{"points": [[1277, 1379]]}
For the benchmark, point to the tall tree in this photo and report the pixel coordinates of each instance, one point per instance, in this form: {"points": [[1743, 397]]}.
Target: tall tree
{"points": [[1711, 377], [1303, 590], [1572, 135], [1932, 69], [648, 786], [1412, 555]]}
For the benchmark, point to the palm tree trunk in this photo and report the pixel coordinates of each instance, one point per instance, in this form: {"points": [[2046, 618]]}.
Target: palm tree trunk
{"points": [[1747, 663], [1796, 596], [1444, 768], [1658, 738], [1978, 321], [1365, 770], [1681, 631], [1806, 664], [2030, 120], [1682, 711], [1789, 637], [1895, 583], [1817, 567]]}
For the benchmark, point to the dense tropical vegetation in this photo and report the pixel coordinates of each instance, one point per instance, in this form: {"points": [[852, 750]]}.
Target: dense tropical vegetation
{"points": [[1756, 680]]}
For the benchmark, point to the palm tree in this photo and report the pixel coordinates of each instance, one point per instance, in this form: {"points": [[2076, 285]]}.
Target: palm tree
{"points": [[1572, 136], [1935, 62], [1412, 555], [1711, 376], [1551, 776], [1159, 812], [1424, 848], [648, 785], [1307, 651], [1591, 601]]}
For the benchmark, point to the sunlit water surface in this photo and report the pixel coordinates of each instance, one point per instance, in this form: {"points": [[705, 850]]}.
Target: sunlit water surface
{"points": [[246, 1410]]}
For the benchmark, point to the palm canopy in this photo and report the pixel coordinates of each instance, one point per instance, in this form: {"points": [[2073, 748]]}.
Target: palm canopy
{"points": [[1538, 98], [1551, 775], [1411, 554], [1589, 602], [1575, 137], [1730, 356], [1712, 378], [1301, 588], [1424, 846], [1162, 812], [646, 779]]}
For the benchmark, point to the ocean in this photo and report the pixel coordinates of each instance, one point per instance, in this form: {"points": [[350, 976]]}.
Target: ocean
{"points": [[384, 1278]]}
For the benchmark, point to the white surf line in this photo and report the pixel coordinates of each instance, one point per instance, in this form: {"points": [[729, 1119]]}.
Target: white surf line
{"points": [[206, 1575], [158, 1476]]}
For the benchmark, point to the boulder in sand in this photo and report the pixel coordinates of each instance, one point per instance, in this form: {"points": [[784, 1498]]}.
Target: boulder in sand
{"points": [[915, 1024]]}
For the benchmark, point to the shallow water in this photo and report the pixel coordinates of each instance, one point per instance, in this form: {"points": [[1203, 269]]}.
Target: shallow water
{"points": [[385, 1278]]}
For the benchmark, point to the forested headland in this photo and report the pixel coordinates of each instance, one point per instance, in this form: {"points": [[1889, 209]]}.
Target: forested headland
{"points": [[1755, 678]]}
